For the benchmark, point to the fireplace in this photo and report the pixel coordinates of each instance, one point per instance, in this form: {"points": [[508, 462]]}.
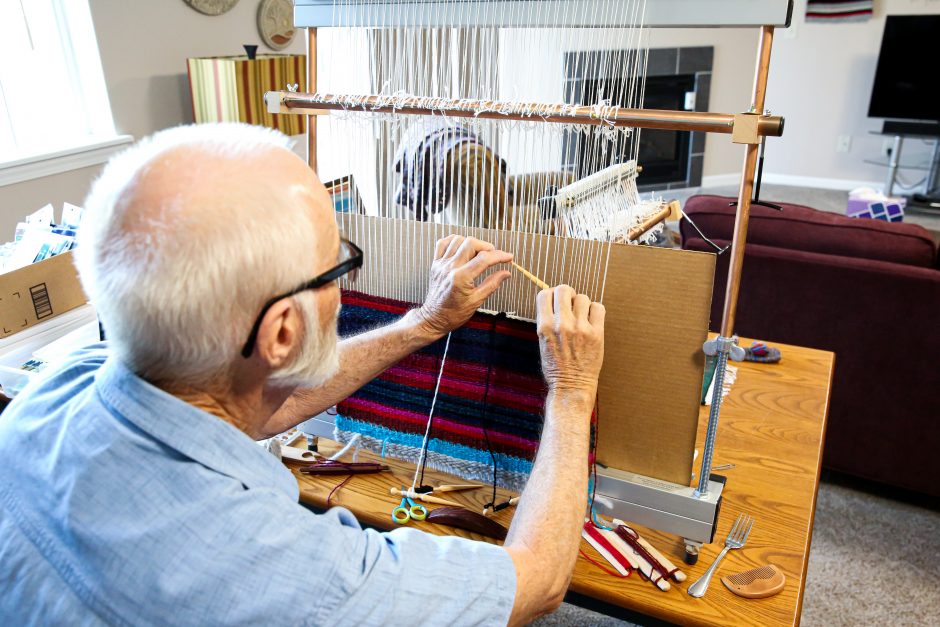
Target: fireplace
{"points": [[677, 79]]}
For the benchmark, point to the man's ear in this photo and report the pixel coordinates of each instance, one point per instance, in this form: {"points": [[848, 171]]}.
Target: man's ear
{"points": [[279, 333]]}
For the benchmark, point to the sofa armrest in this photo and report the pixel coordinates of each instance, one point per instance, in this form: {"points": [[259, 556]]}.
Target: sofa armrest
{"points": [[880, 319]]}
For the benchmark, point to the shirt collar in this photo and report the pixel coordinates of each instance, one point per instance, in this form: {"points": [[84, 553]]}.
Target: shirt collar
{"points": [[196, 434]]}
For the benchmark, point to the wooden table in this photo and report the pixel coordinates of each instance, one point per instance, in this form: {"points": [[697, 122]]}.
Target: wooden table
{"points": [[772, 427]]}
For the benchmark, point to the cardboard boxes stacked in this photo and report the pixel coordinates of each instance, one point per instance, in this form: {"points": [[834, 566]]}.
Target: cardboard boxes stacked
{"points": [[41, 297]]}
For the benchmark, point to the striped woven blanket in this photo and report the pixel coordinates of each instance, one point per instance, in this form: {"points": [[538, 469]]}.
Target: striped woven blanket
{"points": [[489, 408]]}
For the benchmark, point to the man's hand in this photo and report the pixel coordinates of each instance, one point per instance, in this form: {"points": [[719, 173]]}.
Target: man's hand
{"points": [[545, 530], [571, 339], [453, 293]]}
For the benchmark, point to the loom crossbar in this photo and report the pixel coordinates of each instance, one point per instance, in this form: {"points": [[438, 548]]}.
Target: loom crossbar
{"points": [[553, 13], [294, 102]]}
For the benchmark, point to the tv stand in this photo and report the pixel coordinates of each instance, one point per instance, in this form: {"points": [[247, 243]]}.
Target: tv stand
{"points": [[910, 129], [929, 201]]}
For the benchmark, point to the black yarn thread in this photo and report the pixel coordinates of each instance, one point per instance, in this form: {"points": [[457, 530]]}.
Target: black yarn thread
{"points": [[595, 427], [484, 416]]}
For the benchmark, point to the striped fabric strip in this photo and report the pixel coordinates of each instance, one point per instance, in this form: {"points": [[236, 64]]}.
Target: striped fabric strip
{"points": [[838, 10]]}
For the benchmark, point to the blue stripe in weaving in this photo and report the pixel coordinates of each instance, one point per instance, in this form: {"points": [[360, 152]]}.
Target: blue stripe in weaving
{"points": [[458, 451]]}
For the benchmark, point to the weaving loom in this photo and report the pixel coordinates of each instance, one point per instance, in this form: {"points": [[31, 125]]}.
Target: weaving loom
{"points": [[405, 87]]}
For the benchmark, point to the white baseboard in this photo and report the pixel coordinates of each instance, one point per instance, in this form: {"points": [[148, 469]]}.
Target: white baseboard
{"points": [[819, 183], [720, 180]]}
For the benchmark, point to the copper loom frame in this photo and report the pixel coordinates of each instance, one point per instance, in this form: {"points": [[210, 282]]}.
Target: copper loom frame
{"points": [[746, 128]]}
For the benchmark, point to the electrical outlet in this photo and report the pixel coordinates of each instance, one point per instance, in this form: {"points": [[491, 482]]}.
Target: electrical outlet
{"points": [[887, 145], [843, 143]]}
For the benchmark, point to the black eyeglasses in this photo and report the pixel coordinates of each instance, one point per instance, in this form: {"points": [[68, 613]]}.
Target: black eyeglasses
{"points": [[349, 262]]}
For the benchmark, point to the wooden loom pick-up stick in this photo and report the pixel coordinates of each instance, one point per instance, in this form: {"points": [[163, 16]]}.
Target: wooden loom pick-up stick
{"points": [[538, 282]]}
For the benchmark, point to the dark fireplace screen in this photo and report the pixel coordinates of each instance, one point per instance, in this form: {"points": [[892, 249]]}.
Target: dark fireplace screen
{"points": [[663, 155]]}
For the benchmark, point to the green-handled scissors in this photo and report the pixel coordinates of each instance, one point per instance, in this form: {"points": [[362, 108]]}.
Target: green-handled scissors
{"points": [[408, 510]]}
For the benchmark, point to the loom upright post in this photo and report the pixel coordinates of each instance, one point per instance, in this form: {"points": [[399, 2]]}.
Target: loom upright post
{"points": [[723, 346], [312, 88]]}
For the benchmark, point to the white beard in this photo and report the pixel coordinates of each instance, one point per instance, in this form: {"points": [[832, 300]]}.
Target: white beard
{"points": [[317, 361]]}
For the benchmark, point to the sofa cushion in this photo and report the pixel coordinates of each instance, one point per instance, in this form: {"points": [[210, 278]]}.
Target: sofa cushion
{"points": [[802, 228]]}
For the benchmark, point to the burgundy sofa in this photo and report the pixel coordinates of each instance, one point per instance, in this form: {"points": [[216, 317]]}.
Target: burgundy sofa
{"points": [[867, 290]]}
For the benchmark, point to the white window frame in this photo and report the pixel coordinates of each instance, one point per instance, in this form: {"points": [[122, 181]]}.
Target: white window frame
{"points": [[71, 21]]}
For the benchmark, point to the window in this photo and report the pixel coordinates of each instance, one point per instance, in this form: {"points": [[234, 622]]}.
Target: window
{"points": [[53, 99]]}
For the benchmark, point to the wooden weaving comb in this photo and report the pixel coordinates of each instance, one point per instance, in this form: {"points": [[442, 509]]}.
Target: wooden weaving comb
{"points": [[757, 583]]}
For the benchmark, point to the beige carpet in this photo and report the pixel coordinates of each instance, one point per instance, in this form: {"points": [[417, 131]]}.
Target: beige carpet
{"points": [[874, 561]]}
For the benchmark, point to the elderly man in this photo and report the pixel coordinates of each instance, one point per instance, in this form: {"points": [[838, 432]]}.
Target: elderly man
{"points": [[131, 491]]}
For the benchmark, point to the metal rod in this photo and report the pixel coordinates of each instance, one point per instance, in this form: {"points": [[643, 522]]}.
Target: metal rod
{"points": [[893, 165], [760, 169], [934, 173], [745, 192], [714, 410], [724, 342], [291, 102], [312, 86]]}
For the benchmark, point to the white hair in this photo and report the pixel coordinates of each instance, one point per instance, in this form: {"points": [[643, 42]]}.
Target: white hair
{"points": [[177, 292]]}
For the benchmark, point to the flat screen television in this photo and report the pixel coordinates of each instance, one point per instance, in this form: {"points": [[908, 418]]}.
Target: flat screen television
{"points": [[907, 79]]}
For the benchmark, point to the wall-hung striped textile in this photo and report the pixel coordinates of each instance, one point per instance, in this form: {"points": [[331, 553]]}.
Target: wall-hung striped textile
{"points": [[839, 10]]}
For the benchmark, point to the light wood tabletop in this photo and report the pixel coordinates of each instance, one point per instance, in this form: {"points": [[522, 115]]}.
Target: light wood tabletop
{"points": [[772, 428]]}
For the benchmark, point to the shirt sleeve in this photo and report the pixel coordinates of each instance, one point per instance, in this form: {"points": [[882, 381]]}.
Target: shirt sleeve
{"points": [[409, 575]]}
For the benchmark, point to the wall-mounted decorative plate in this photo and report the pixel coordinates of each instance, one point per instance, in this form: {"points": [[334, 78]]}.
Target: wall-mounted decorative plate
{"points": [[276, 23], [211, 7]]}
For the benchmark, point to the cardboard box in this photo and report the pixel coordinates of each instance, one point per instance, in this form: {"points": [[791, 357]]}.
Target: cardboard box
{"points": [[38, 292]]}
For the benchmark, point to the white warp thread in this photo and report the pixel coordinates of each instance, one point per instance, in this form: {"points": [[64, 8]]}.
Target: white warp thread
{"points": [[427, 430]]}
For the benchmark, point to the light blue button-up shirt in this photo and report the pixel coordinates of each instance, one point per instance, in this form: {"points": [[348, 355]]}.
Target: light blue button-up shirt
{"points": [[121, 504]]}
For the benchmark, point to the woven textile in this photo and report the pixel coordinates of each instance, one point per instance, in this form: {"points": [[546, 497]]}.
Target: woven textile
{"points": [[839, 10], [491, 396]]}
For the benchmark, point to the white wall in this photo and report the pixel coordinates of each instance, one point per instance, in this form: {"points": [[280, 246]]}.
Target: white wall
{"points": [[144, 45], [820, 80], [542, 78]]}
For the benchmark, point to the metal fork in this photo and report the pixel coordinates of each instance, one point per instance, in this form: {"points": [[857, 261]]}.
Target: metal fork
{"points": [[736, 539]]}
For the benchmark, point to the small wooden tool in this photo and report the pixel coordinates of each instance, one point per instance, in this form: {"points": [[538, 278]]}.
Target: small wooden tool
{"points": [[427, 498], [538, 282], [457, 487], [757, 583], [471, 521]]}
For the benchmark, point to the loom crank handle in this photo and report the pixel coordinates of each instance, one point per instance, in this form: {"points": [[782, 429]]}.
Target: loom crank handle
{"points": [[736, 352]]}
